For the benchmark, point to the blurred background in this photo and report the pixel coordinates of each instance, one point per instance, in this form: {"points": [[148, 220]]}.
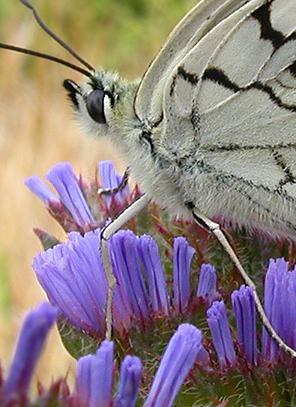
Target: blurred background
{"points": [[37, 128]]}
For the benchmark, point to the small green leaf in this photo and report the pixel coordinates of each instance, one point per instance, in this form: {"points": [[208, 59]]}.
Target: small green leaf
{"points": [[76, 342]]}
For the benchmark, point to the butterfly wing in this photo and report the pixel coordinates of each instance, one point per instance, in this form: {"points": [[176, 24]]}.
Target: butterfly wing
{"points": [[191, 29], [234, 113]]}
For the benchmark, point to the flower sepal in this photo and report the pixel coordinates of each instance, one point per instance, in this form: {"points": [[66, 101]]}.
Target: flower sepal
{"points": [[47, 241], [77, 342]]}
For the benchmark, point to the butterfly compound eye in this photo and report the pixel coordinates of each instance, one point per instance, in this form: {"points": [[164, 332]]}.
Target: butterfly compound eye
{"points": [[95, 105]]}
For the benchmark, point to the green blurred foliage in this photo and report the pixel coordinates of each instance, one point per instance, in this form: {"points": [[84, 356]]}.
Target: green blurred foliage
{"points": [[119, 34], [5, 6], [5, 296]]}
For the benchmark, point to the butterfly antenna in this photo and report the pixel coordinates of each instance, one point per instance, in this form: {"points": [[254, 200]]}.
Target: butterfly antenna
{"points": [[46, 56], [41, 23]]}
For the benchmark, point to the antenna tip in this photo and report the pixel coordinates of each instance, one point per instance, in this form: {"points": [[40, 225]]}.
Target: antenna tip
{"points": [[27, 3]]}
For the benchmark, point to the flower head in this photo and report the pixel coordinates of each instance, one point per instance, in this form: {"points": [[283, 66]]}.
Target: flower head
{"points": [[69, 205], [75, 203], [73, 277], [95, 373], [28, 349]]}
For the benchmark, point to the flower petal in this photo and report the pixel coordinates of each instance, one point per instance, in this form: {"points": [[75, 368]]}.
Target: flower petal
{"points": [[280, 305], [94, 378], [245, 313], [65, 182], [110, 179], [130, 283], [39, 188], [222, 340], [129, 382], [178, 359], [183, 254], [153, 272], [28, 349], [207, 282]]}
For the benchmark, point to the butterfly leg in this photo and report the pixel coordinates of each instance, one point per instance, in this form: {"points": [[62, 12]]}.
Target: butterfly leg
{"points": [[214, 228], [122, 184], [106, 234]]}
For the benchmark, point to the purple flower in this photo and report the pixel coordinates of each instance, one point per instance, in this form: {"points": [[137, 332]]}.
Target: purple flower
{"points": [[94, 384], [183, 254], [245, 313], [207, 283], [129, 382], [28, 349], [178, 359], [94, 378], [280, 305], [73, 278], [72, 275], [222, 340], [110, 179], [70, 195]]}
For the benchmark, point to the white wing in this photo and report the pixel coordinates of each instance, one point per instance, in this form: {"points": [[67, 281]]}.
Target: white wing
{"points": [[237, 85], [249, 107], [191, 29], [185, 93], [235, 112]]}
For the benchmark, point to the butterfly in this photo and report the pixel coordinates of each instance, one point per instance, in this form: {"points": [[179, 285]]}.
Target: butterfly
{"points": [[210, 128]]}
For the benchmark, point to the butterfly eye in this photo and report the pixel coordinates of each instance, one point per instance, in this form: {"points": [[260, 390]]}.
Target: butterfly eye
{"points": [[95, 105]]}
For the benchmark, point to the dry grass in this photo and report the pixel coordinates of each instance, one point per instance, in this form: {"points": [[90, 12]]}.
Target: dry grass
{"points": [[36, 131]]}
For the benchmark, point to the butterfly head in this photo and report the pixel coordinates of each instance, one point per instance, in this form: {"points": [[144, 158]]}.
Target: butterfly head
{"points": [[95, 102]]}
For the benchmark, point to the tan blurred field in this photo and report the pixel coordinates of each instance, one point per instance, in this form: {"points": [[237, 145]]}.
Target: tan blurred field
{"points": [[37, 129]]}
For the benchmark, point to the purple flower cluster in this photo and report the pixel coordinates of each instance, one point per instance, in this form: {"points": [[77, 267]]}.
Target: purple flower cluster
{"points": [[72, 275], [95, 373], [75, 203], [74, 280], [69, 204], [94, 379], [279, 302]]}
